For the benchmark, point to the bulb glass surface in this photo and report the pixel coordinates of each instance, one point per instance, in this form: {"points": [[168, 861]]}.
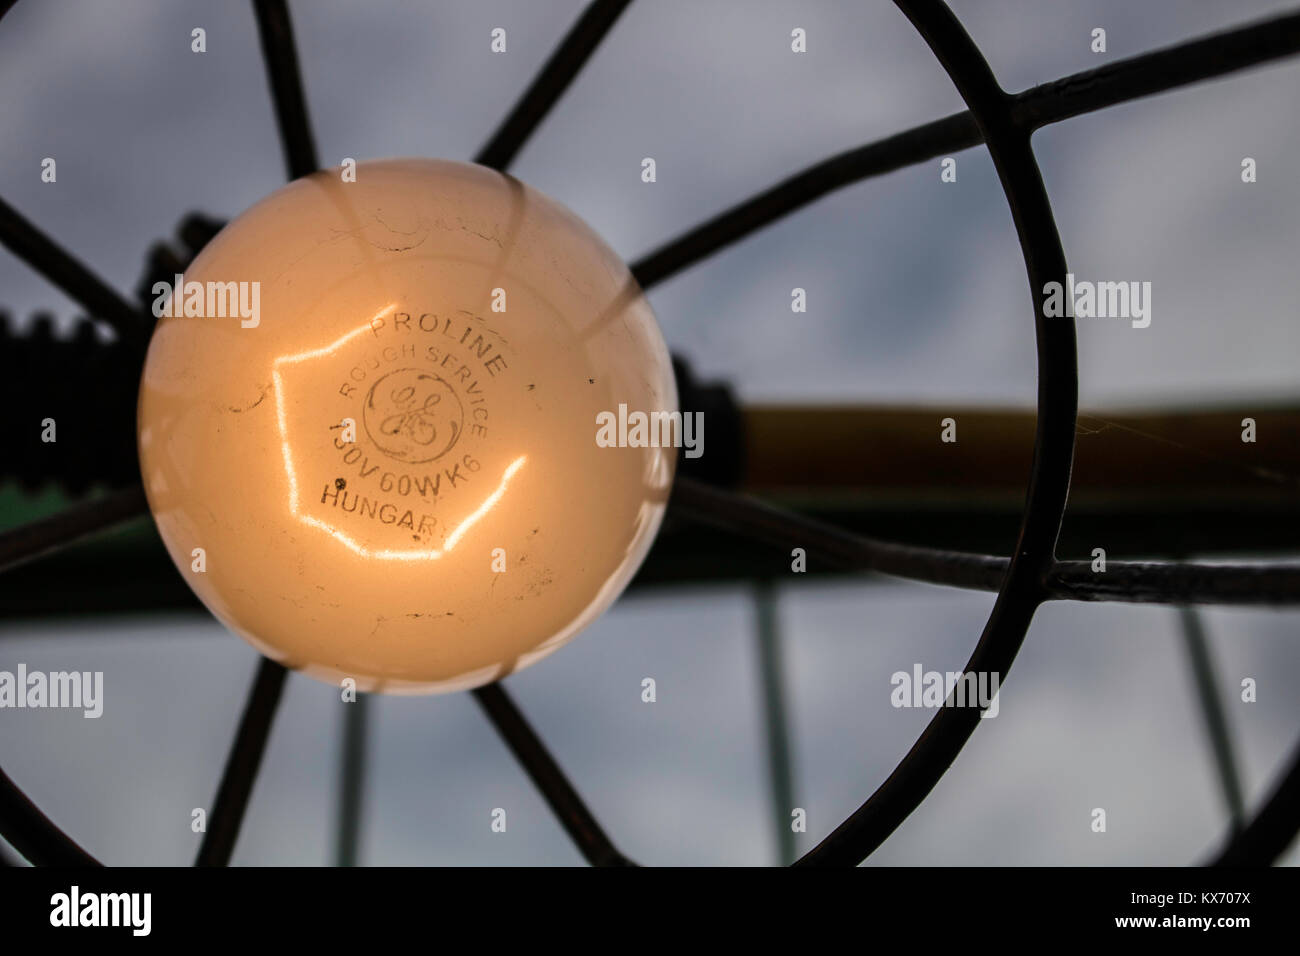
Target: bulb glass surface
{"points": [[391, 469]]}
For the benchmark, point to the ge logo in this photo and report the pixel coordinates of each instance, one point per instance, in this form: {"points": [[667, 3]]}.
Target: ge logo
{"points": [[412, 416]]}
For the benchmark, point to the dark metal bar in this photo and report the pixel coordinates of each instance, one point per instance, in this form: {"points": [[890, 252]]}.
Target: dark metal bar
{"points": [[550, 84], [32, 834], [775, 720], [45, 535], [546, 774], [242, 765], [352, 769], [47, 257], [1169, 68], [1171, 582], [1049, 480], [720, 508], [281, 55], [1128, 581], [1272, 830], [938, 138], [1067, 97], [1216, 721]]}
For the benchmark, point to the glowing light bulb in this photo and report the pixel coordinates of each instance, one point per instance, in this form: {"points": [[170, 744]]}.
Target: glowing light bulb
{"points": [[368, 419]]}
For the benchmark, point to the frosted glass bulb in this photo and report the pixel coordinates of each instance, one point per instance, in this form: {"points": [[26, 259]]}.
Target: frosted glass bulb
{"points": [[374, 455]]}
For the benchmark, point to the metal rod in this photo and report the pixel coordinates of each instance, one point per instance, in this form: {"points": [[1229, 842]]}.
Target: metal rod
{"points": [[281, 54], [1049, 479], [1129, 581], [774, 718], [242, 765], [40, 252], [928, 141], [1067, 97], [756, 520], [546, 774], [46, 535], [549, 85], [1216, 721], [352, 768], [92, 293], [32, 834], [1171, 582], [1272, 830], [1169, 68]]}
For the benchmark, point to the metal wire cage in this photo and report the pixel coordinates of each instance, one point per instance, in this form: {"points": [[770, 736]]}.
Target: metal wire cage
{"points": [[1004, 124]]}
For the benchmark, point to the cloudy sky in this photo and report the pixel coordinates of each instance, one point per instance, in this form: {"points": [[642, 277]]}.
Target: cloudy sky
{"points": [[917, 293]]}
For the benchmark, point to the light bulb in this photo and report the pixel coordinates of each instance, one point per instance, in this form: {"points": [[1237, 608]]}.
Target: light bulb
{"points": [[368, 420]]}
